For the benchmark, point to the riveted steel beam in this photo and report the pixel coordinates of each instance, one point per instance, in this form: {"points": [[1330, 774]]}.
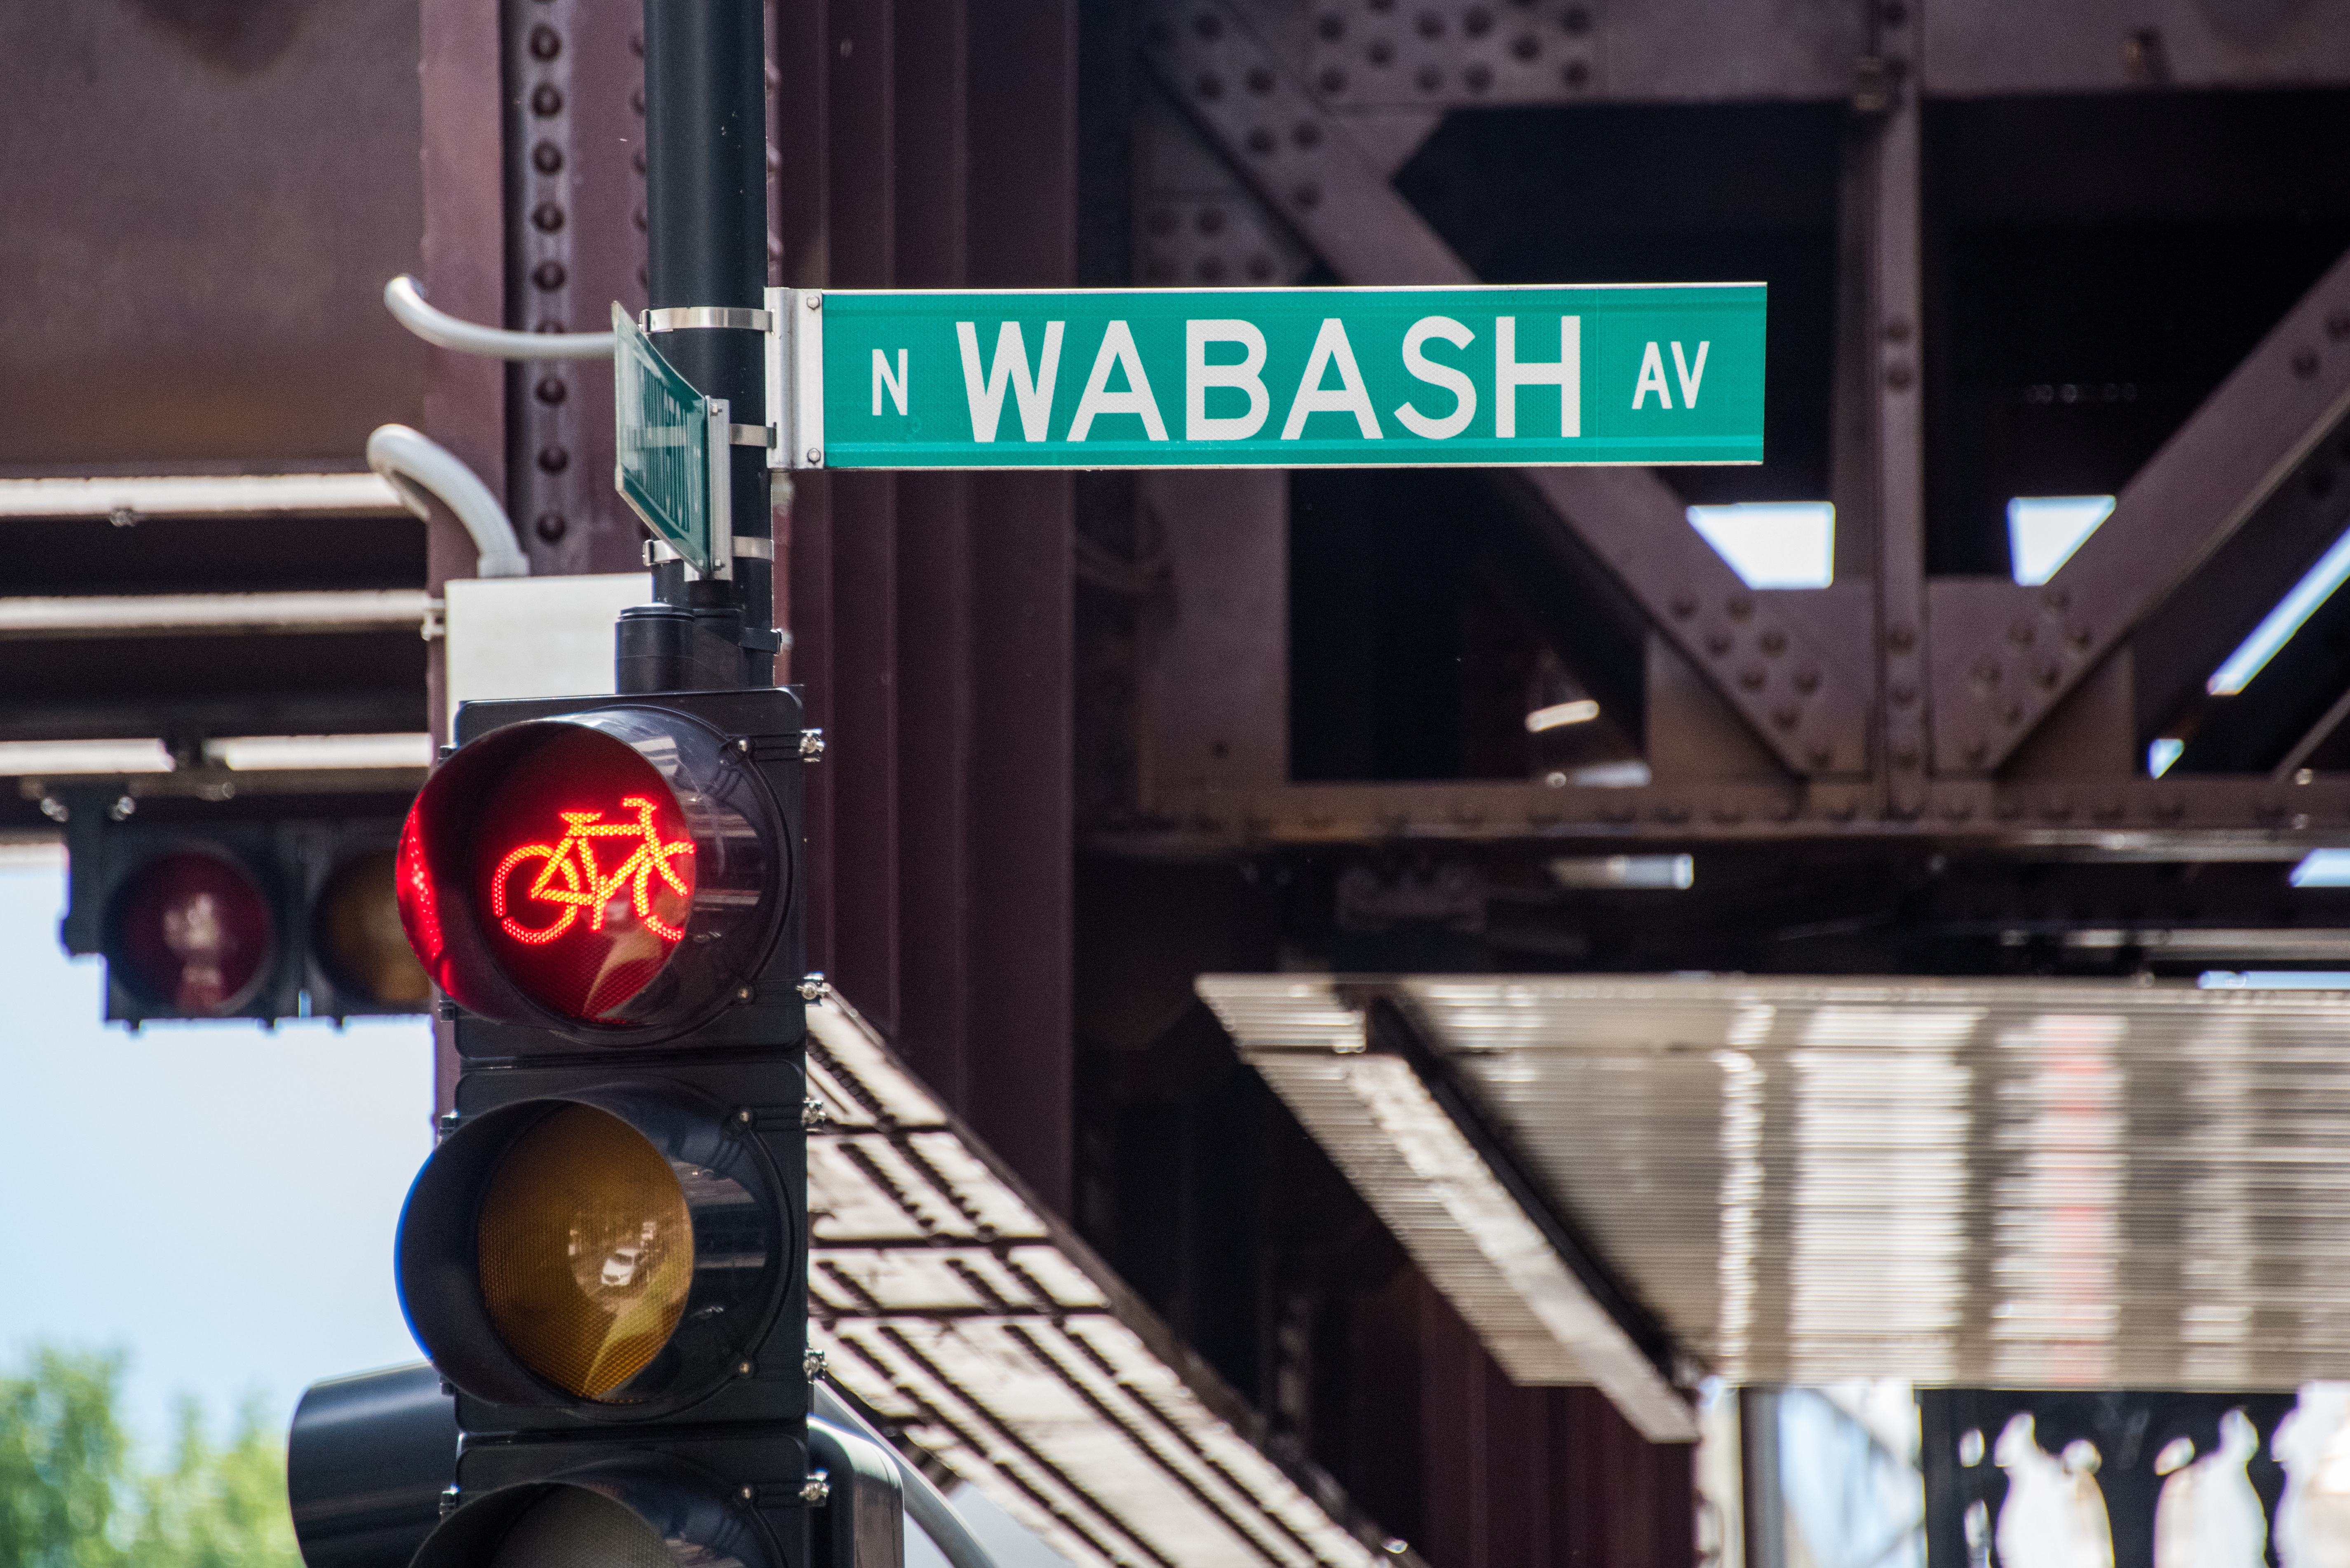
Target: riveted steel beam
{"points": [[1196, 223], [1886, 171], [1382, 55], [574, 211], [1376, 54], [2204, 817], [2003, 656], [1989, 47], [1789, 674]]}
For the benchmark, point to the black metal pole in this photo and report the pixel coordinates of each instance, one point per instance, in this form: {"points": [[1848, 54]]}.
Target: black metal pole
{"points": [[706, 245]]}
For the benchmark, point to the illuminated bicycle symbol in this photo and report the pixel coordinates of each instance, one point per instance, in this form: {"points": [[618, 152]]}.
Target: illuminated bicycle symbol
{"points": [[573, 882]]}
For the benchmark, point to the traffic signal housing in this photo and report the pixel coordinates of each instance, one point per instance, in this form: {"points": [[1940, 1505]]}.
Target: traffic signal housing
{"points": [[612, 875], [367, 1462], [604, 1255], [253, 918]]}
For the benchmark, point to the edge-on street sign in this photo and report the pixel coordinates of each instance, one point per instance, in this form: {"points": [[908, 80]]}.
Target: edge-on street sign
{"points": [[670, 450], [1269, 377]]}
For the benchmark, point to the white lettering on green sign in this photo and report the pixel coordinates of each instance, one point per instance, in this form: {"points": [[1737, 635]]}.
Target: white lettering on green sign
{"points": [[1248, 377]]}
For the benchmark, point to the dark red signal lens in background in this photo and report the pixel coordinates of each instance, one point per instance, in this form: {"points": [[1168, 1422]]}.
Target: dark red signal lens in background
{"points": [[583, 874], [193, 933]]}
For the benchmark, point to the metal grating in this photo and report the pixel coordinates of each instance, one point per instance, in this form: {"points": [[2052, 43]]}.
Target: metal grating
{"points": [[2038, 1184], [994, 1339]]}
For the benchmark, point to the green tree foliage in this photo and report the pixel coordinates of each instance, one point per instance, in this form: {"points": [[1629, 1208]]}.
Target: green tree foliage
{"points": [[63, 1462], [73, 1496]]}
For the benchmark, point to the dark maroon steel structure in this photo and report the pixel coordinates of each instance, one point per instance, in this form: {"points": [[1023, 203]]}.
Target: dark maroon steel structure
{"points": [[1092, 736], [934, 147]]}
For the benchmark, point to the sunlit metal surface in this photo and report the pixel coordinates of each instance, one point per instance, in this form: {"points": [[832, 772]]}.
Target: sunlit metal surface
{"points": [[993, 1338], [1374, 1114], [203, 495], [2043, 1184], [209, 614]]}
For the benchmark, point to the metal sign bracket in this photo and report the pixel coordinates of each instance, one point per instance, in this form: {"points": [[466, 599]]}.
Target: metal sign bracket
{"points": [[795, 377]]}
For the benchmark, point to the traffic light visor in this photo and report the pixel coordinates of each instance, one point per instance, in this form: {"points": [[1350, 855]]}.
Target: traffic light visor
{"points": [[586, 1250], [616, 875], [190, 930]]}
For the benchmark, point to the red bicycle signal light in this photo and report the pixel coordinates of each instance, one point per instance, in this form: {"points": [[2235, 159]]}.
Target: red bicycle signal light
{"points": [[616, 873], [191, 931], [584, 861]]}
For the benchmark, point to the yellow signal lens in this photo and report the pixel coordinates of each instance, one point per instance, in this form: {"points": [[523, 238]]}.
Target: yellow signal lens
{"points": [[361, 936], [586, 1250]]}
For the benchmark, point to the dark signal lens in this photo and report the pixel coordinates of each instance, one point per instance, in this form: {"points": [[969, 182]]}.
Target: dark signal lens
{"points": [[190, 932], [583, 875], [358, 934], [576, 1528]]}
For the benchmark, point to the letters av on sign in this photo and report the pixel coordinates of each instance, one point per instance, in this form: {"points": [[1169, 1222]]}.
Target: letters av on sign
{"points": [[1273, 378]]}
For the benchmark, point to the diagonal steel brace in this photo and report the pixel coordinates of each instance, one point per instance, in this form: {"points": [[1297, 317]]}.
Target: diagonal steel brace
{"points": [[2004, 656], [1800, 677]]}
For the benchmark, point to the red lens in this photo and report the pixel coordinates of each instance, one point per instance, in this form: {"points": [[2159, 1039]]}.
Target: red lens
{"points": [[583, 876], [190, 932], [419, 906]]}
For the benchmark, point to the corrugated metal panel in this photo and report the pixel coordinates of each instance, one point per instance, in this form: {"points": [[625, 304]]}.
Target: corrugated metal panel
{"points": [[2047, 1184], [979, 1325]]}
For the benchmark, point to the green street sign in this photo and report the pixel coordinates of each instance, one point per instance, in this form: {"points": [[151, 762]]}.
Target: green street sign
{"points": [[1269, 377], [670, 450]]}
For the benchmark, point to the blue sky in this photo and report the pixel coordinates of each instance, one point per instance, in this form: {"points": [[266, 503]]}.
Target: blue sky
{"points": [[214, 1200]]}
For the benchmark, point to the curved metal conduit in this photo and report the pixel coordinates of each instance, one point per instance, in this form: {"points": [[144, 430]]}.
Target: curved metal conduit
{"points": [[415, 463], [409, 460], [404, 297], [925, 1503]]}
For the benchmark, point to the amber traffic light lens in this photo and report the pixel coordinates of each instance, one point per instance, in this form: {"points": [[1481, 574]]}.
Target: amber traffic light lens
{"points": [[576, 1528], [359, 935], [191, 931], [585, 1247]]}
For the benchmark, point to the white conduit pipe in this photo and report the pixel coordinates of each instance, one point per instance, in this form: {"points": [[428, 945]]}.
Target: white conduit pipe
{"points": [[133, 614], [925, 1503], [404, 297], [128, 499], [412, 463]]}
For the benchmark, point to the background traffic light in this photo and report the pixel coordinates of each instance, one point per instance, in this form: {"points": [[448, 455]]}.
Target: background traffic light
{"points": [[604, 1256], [253, 918]]}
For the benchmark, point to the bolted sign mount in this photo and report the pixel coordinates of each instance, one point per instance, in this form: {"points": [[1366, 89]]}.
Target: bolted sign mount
{"points": [[670, 454], [1512, 376]]}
